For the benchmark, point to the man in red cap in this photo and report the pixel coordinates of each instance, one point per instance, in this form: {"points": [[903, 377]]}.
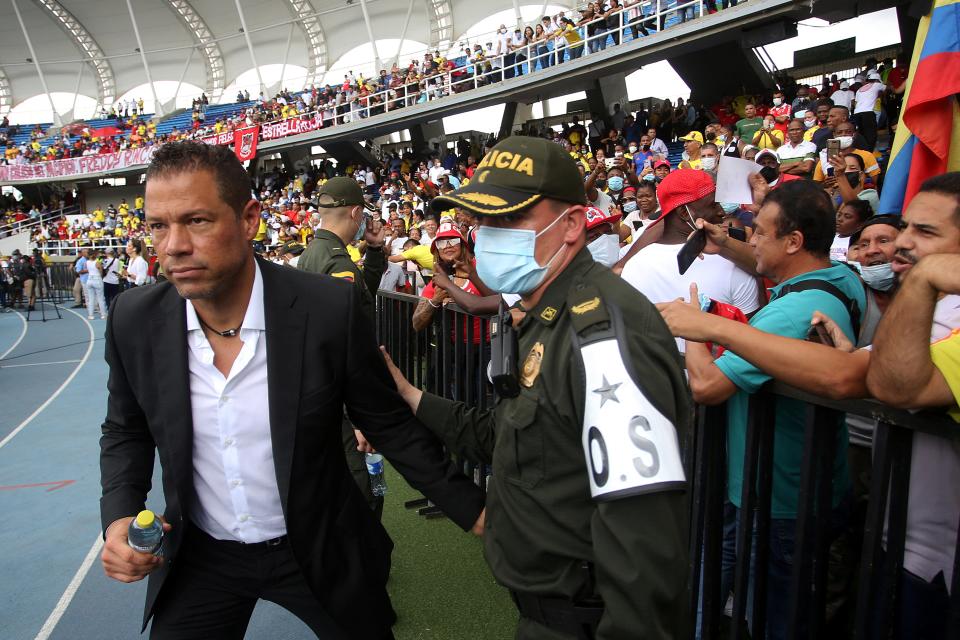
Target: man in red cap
{"points": [[687, 195]]}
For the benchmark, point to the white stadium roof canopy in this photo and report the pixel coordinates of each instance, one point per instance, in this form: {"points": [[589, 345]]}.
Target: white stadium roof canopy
{"points": [[92, 48]]}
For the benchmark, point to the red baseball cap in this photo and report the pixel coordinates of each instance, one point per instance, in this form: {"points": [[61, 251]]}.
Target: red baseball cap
{"points": [[683, 186], [595, 217], [661, 163], [446, 230]]}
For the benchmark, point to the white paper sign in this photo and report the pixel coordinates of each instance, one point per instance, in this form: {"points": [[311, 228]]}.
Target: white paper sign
{"points": [[732, 180]]}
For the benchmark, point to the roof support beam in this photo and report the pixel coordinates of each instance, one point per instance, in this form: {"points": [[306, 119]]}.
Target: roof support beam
{"points": [[246, 35], [403, 33], [309, 21], [76, 91], [36, 63], [516, 10], [157, 107], [183, 74], [286, 56], [209, 49], [373, 42]]}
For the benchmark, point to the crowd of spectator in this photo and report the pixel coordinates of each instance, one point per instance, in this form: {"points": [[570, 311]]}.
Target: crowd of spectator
{"points": [[503, 55]]}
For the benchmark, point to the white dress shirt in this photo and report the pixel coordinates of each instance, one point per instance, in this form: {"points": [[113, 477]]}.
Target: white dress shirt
{"points": [[234, 477]]}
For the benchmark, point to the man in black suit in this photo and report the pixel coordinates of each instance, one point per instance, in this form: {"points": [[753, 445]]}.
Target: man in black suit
{"points": [[236, 371]]}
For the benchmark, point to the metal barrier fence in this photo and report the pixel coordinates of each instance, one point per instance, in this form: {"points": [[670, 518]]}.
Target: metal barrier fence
{"points": [[444, 359]]}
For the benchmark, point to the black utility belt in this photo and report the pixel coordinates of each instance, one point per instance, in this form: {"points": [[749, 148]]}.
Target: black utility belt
{"points": [[559, 614]]}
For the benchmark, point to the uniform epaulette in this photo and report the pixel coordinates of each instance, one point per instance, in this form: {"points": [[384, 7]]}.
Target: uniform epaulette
{"points": [[587, 309]]}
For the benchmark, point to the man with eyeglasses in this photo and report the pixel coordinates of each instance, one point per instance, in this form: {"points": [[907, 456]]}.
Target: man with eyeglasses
{"points": [[345, 213]]}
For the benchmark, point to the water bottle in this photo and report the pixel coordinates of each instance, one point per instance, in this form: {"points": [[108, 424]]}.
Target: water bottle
{"points": [[145, 533], [378, 484]]}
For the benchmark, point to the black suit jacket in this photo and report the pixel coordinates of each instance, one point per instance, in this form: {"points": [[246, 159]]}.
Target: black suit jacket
{"points": [[321, 356]]}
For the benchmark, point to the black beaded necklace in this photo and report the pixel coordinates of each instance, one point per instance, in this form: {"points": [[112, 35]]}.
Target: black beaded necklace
{"points": [[229, 333]]}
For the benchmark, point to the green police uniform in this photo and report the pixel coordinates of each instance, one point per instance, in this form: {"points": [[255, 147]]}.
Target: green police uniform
{"points": [[327, 254], [617, 560]]}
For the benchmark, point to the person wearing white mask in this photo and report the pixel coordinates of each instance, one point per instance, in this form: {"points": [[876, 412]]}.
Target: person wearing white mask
{"points": [[603, 239], [709, 157], [843, 97]]}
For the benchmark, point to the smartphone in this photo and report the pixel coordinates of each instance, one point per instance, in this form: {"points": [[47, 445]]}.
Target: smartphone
{"points": [[818, 334], [692, 248], [609, 162], [737, 234], [833, 147]]}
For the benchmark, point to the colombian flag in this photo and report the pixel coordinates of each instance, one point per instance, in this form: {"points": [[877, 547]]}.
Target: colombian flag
{"points": [[928, 138]]}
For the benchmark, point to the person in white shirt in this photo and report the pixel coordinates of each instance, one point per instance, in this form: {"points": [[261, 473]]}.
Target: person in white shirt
{"points": [[428, 232], [843, 97], [657, 146], [137, 272], [436, 170], [864, 103], [687, 195], [111, 276], [235, 373]]}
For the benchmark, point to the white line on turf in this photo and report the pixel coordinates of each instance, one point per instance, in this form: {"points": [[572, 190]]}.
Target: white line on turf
{"points": [[37, 364], [70, 591], [23, 332], [60, 389]]}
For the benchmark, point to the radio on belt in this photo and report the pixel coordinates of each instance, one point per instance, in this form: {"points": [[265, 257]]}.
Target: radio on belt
{"points": [[503, 354]]}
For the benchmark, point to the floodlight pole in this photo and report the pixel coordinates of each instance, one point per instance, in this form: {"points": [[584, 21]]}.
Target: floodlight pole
{"points": [[373, 43], [403, 33], [36, 63], [158, 108], [246, 35]]}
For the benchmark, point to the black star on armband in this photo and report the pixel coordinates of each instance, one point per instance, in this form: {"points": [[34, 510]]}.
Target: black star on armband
{"points": [[607, 392]]}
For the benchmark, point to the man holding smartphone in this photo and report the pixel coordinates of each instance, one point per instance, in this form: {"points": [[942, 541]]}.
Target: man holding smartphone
{"points": [[687, 195]]}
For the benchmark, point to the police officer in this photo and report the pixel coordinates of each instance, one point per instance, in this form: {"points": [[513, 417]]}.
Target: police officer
{"points": [[343, 215], [587, 505]]}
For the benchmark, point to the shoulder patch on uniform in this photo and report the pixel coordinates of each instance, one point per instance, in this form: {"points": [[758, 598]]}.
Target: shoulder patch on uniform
{"points": [[585, 307], [343, 275]]}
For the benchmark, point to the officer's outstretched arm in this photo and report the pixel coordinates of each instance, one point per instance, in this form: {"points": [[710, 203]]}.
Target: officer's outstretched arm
{"points": [[467, 432]]}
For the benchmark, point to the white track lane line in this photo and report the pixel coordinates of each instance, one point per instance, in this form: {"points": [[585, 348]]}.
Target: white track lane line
{"points": [[60, 389], [71, 590], [37, 364], [23, 332]]}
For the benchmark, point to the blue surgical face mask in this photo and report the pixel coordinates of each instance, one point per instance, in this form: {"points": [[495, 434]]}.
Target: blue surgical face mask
{"points": [[729, 207], [505, 258], [361, 229], [879, 277], [605, 249], [615, 183]]}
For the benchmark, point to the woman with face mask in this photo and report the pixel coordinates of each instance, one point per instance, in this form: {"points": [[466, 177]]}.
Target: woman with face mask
{"points": [[849, 178], [452, 264]]}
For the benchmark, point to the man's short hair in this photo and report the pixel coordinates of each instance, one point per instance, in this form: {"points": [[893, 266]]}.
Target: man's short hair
{"points": [[233, 181], [947, 184], [862, 209], [845, 110], [824, 102], [805, 207]]}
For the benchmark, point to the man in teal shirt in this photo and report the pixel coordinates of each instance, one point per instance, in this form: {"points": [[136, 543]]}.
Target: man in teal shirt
{"points": [[791, 245]]}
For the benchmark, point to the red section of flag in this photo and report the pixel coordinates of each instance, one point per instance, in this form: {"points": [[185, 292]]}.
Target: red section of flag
{"points": [[245, 142], [105, 132]]}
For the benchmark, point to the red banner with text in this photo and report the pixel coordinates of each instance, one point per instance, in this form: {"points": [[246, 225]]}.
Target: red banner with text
{"points": [[77, 166]]}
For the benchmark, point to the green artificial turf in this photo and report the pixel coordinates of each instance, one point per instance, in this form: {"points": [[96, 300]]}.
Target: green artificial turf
{"points": [[440, 585]]}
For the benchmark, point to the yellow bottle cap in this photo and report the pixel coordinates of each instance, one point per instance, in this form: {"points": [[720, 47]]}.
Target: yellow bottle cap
{"points": [[145, 519]]}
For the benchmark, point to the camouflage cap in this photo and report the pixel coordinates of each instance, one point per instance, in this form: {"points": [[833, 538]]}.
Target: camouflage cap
{"points": [[515, 175]]}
